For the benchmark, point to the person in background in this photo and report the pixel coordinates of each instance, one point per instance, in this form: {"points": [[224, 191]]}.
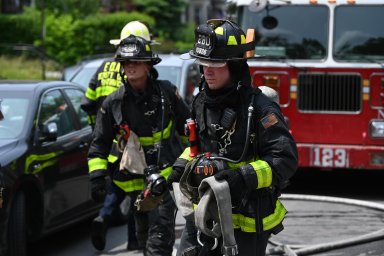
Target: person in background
{"points": [[106, 80], [147, 115], [242, 138]]}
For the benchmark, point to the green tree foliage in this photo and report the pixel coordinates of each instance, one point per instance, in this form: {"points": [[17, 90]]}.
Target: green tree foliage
{"points": [[76, 8], [166, 12]]}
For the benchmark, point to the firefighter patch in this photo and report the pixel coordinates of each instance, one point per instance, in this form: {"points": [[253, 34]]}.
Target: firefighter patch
{"points": [[269, 120]]}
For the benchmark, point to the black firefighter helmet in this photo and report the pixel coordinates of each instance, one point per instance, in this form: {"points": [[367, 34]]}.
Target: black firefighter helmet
{"points": [[136, 48], [220, 41]]}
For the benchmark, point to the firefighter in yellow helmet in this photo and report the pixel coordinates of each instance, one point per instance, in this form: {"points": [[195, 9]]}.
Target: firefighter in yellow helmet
{"points": [[242, 138], [106, 80]]}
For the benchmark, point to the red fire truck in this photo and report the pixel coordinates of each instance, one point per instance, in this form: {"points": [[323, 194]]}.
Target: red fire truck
{"points": [[326, 60]]}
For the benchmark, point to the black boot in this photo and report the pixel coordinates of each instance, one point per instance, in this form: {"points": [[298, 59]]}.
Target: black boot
{"points": [[98, 232], [133, 245]]}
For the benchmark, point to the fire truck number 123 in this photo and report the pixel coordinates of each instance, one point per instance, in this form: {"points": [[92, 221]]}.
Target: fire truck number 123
{"points": [[329, 157]]}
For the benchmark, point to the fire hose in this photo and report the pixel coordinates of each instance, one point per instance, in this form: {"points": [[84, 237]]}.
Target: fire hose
{"points": [[295, 250], [215, 203]]}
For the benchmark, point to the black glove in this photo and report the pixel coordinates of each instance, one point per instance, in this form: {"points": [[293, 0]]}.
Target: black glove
{"points": [[175, 176], [236, 184], [98, 188]]}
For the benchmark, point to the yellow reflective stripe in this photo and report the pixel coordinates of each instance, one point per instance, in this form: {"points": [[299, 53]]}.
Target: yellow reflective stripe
{"points": [[243, 41], [44, 165], [92, 119], [236, 165], [185, 154], [248, 224], [90, 94], [112, 158], [130, 185], [105, 90], [232, 40], [184, 140], [147, 48], [44, 157], [275, 218], [263, 172], [219, 31], [166, 172], [149, 141], [97, 164]]}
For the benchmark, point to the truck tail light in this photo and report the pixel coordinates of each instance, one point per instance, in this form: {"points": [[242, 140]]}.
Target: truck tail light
{"points": [[377, 91], [277, 81]]}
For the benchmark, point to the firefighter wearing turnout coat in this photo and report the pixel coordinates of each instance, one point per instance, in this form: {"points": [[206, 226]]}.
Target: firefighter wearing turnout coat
{"points": [[150, 114], [242, 138], [106, 80]]}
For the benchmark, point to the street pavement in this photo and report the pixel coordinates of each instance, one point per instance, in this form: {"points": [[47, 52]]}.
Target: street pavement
{"points": [[76, 241], [307, 223]]}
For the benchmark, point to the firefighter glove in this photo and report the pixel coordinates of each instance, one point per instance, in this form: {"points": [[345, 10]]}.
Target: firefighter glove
{"points": [[236, 184], [98, 188]]}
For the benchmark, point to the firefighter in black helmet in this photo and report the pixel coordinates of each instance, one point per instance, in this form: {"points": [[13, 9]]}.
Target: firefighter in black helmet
{"points": [[147, 115], [242, 138], [106, 80]]}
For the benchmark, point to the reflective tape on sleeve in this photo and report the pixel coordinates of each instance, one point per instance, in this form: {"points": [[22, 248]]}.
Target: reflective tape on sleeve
{"points": [[104, 91], [166, 172], [263, 172], [92, 119], [112, 159], [90, 94], [131, 185], [97, 164], [236, 165]]}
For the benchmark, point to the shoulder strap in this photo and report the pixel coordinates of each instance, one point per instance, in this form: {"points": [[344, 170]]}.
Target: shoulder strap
{"points": [[169, 94]]}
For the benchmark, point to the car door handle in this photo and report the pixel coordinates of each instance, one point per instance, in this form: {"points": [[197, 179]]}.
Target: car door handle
{"points": [[83, 145]]}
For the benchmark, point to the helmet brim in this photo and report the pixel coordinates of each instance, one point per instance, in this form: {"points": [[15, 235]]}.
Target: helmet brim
{"points": [[116, 42], [153, 61], [191, 55]]}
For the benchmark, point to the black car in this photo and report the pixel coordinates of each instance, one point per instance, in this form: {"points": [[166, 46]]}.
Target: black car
{"points": [[44, 183]]}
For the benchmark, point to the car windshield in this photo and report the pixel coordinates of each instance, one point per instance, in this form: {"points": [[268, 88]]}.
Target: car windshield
{"points": [[292, 32], [83, 77], [171, 73], [359, 34], [14, 109]]}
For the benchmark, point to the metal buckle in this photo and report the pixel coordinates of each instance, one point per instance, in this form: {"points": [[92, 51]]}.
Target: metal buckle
{"points": [[201, 243], [149, 112]]}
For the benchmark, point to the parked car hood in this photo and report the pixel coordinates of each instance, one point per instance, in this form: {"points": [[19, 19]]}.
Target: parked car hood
{"points": [[9, 151]]}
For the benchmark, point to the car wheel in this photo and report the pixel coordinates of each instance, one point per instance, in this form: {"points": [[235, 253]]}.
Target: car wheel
{"points": [[17, 230]]}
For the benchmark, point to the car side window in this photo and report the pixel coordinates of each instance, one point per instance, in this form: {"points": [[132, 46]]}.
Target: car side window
{"points": [[54, 108], [75, 96], [193, 78]]}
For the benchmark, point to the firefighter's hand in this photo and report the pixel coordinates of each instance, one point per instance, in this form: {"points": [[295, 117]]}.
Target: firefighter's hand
{"points": [[175, 176], [98, 188], [236, 184]]}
